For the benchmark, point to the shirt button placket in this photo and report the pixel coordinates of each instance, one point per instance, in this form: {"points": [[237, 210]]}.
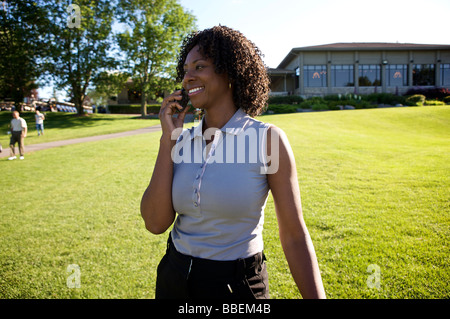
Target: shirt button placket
{"points": [[196, 189]]}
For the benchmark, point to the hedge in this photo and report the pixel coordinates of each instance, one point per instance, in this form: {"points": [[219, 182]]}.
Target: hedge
{"points": [[285, 99], [132, 108], [415, 100], [433, 93], [293, 103], [447, 100], [434, 102], [384, 98], [281, 108]]}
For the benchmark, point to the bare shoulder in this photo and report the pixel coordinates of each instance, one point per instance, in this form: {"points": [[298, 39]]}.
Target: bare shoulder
{"points": [[279, 152], [277, 140], [282, 176]]}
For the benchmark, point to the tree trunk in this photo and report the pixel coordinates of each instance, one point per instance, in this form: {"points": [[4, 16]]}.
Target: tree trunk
{"points": [[80, 109], [18, 98], [143, 102], [18, 106], [78, 99]]}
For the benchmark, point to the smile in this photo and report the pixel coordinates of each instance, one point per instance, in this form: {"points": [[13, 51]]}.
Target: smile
{"points": [[195, 90]]}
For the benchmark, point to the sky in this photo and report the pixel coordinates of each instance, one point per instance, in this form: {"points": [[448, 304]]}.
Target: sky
{"points": [[277, 26]]}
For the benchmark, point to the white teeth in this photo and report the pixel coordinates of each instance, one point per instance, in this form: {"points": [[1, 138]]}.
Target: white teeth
{"points": [[195, 89]]}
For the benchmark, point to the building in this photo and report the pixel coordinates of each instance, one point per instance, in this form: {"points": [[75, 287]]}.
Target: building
{"points": [[131, 94], [361, 68]]}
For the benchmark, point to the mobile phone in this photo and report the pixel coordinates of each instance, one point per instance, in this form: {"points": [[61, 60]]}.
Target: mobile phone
{"points": [[185, 98]]}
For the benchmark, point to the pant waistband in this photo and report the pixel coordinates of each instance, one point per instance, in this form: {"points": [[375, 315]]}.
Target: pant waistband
{"points": [[239, 267]]}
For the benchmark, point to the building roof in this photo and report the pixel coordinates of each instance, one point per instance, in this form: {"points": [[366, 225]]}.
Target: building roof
{"points": [[361, 46], [373, 45]]}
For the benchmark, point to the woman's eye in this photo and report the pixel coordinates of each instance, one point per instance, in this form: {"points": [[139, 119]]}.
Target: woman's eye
{"points": [[197, 67]]}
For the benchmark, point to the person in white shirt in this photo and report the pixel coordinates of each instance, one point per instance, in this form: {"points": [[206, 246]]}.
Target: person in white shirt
{"points": [[39, 122], [18, 133], [211, 196]]}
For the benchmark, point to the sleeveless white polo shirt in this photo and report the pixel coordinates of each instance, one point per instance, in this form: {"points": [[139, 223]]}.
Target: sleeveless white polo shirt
{"points": [[220, 196]]}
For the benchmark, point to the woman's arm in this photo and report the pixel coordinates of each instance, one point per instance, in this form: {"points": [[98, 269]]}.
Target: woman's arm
{"points": [[295, 240], [156, 204]]}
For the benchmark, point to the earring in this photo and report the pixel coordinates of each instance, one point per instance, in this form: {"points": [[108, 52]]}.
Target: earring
{"points": [[229, 85]]}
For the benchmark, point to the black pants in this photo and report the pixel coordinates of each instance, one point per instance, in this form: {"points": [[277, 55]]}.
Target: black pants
{"points": [[16, 137], [184, 277]]}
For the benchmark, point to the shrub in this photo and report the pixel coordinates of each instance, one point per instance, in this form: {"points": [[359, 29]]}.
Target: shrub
{"points": [[282, 108], [320, 107], [153, 108], [124, 109], [434, 102], [309, 103], [285, 99], [316, 100], [333, 105], [132, 108], [305, 105], [415, 100], [351, 96], [430, 93], [364, 105], [384, 98], [332, 97], [447, 100]]}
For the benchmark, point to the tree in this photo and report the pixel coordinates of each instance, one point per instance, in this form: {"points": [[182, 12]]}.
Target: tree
{"points": [[107, 84], [80, 44], [150, 43], [22, 24]]}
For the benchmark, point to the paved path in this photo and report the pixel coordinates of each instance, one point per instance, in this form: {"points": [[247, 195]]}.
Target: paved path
{"points": [[42, 146]]}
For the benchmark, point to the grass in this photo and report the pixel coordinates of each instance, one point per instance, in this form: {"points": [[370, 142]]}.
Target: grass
{"points": [[375, 191], [62, 126]]}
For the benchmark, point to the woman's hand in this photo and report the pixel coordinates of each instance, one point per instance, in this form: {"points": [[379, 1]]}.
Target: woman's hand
{"points": [[169, 107]]}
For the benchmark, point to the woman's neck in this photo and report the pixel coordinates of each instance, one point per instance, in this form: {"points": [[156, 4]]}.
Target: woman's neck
{"points": [[218, 118]]}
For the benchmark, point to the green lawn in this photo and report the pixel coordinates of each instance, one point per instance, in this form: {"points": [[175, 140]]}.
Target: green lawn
{"points": [[375, 191], [63, 126]]}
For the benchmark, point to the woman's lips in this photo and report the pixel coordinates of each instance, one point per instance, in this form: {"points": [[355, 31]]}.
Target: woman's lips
{"points": [[195, 90]]}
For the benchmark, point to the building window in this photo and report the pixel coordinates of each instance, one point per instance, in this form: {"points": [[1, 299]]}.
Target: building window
{"points": [[445, 74], [369, 75], [342, 75], [423, 74], [397, 75], [297, 77], [315, 75]]}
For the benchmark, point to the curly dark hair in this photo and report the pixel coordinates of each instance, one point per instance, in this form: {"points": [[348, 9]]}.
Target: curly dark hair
{"points": [[233, 53]]}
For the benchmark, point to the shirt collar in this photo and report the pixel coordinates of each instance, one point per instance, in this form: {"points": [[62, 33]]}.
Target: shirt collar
{"points": [[234, 126]]}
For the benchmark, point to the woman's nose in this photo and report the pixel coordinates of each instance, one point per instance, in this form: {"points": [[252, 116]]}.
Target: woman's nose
{"points": [[188, 76]]}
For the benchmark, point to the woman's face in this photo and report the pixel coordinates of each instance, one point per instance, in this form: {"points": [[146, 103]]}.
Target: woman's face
{"points": [[204, 86]]}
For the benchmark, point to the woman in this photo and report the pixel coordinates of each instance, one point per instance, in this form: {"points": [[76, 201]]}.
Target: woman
{"points": [[39, 122], [219, 189]]}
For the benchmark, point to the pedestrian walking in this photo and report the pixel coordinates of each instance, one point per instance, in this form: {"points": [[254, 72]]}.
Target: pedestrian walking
{"points": [[39, 122], [18, 133]]}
